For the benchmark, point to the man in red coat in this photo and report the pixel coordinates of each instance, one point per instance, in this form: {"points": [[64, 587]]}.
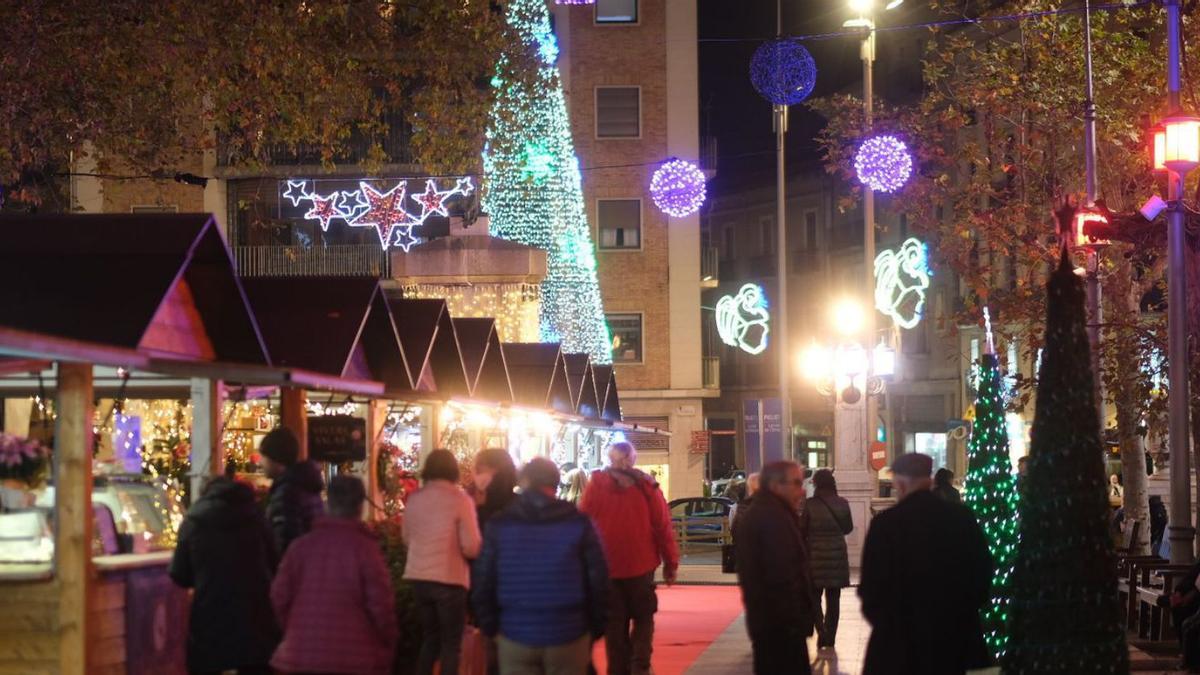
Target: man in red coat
{"points": [[333, 595], [634, 523]]}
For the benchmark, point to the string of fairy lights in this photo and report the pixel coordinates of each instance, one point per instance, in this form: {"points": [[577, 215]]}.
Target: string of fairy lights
{"points": [[513, 306]]}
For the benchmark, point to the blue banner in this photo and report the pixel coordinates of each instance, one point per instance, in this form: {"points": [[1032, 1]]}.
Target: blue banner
{"points": [[751, 437]]}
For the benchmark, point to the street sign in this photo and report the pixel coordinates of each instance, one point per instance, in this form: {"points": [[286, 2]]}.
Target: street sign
{"points": [[878, 454]]}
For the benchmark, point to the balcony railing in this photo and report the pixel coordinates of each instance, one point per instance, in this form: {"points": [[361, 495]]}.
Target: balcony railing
{"points": [[357, 260], [710, 273], [711, 366]]}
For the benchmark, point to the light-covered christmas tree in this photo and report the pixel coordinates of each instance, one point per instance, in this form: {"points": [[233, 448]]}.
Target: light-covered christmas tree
{"points": [[991, 494], [533, 188], [1064, 611]]}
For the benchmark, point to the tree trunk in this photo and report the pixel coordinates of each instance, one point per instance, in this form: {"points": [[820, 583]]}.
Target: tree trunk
{"points": [[1129, 406]]}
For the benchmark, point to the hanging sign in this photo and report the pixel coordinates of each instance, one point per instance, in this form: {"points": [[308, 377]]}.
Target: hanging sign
{"points": [[743, 320], [337, 438], [388, 207]]}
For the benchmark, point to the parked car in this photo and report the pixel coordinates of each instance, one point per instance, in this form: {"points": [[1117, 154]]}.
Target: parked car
{"points": [[695, 518], [720, 487]]}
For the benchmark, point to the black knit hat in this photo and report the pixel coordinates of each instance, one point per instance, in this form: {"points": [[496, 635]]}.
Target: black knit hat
{"points": [[280, 445]]}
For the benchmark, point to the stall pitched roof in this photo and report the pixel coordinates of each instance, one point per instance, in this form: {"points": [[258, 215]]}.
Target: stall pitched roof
{"points": [[483, 357], [336, 325], [606, 392], [539, 375], [427, 335], [163, 284], [583, 384]]}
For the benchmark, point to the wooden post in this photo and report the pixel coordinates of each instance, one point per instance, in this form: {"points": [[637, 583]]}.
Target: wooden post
{"points": [[293, 414], [73, 507], [208, 453], [377, 412]]}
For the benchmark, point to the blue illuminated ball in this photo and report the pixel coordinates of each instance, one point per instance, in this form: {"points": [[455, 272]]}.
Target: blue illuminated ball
{"points": [[783, 71]]}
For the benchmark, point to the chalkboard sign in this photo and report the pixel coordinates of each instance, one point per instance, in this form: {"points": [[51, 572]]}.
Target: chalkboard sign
{"points": [[337, 438]]}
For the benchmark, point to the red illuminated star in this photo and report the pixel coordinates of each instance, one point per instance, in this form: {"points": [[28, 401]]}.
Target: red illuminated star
{"points": [[325, 209], [384, 210]]}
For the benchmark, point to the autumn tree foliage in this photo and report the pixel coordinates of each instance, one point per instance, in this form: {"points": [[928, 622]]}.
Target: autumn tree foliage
{"points": [[998, 142], [151, 83]]}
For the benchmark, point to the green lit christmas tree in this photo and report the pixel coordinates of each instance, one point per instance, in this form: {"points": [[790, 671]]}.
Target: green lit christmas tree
{"points": [[991, 493], [1064, 613], [533, 189]]}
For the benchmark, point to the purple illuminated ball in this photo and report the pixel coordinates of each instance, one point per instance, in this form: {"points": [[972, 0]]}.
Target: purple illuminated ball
{"points": [[883, 163], [677, 188]]}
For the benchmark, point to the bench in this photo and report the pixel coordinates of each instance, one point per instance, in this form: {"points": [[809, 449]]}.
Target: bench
{"points": [[1155, 583]]}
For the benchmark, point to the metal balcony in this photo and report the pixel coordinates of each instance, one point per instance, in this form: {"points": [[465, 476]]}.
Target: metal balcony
{"points": [[355, 260]]}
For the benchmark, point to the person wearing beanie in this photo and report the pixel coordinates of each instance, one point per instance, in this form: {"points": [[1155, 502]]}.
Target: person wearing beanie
{"points": [[926, 573], [295, 498]]}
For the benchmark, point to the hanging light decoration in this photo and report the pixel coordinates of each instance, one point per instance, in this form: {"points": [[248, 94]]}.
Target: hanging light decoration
{"points": [[783, 71], [883, 163], [677, 188]]}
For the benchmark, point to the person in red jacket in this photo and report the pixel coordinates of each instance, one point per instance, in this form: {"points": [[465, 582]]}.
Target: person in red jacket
{"points": [[634, 523], [333, 594]]}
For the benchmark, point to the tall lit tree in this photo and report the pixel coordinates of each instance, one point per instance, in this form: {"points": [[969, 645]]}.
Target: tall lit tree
{"points": [[1064, 613], [533, 189], [992, 495]]}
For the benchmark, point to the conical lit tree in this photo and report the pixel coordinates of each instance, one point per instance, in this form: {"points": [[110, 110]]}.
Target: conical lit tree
{"points": [[1064, 614], [992, 495], [533, 189]]}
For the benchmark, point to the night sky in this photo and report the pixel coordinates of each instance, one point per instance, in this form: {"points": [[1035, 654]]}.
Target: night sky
{"points": [[732, 111]]}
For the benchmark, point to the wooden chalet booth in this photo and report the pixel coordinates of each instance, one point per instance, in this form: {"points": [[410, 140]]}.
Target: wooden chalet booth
{"points": [[152, 302]]}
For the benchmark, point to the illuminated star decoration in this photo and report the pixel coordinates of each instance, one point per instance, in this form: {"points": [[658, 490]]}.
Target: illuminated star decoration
{"points": [[325, 209], [433, 201], [297, 191], [385, 210], [883, 163]]}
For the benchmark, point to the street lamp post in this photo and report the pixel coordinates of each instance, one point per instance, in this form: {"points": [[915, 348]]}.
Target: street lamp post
{"points": [[1095, 308], [1181, 138], [781, 301]]}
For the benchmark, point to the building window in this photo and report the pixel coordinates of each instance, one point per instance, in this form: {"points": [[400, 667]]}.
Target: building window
{"points": [[730, 236], [766, 237], [620, 223], [618, 112], [626, 332], [810, 230], [616, 11]]}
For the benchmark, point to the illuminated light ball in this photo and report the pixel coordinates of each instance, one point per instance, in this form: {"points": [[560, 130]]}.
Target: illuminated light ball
{"points": [[883, 163], [677, 188], [783, 71]]}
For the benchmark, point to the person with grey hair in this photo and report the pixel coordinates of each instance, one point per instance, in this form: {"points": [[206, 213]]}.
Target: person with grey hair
{"points": [[773, 572], [926, 573], [333, 595], [634, 523], [541, 580]]}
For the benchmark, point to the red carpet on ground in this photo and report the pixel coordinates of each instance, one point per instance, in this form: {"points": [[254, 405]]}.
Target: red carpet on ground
{"points": [[689, 619]]}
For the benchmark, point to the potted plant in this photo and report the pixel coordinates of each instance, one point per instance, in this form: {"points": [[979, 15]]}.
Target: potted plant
{"points": [[24, 462]]}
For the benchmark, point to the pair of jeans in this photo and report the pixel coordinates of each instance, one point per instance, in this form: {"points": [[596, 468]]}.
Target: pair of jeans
{"points": [[571, 658], [442, 609], [827, 631], [780, 651], [630, 601]]}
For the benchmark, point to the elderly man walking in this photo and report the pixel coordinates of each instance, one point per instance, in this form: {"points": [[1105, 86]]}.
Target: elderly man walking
{"points": [[926, 573], [773, 573], [631, 516]]}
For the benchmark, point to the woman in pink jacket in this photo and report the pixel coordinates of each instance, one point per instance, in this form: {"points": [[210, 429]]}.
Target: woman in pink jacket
{"points": [[442, 534], [333, 594]]}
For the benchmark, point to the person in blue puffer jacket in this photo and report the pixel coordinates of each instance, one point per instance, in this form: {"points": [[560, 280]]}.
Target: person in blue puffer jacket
{"points": [[542, 586]]}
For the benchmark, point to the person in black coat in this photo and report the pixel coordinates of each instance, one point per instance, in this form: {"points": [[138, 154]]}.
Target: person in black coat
{"points": [[926, 573], [295, 498], [225, 553], [773, 572]]}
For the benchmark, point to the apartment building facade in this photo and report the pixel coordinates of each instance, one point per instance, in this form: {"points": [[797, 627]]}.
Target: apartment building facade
{"points": [[629, 69]]}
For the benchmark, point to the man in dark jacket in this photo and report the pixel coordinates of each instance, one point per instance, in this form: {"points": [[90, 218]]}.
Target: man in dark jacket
{"points": [[542, 581], [773, 573], [295, 498], [226, 554], [926, 573]]}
